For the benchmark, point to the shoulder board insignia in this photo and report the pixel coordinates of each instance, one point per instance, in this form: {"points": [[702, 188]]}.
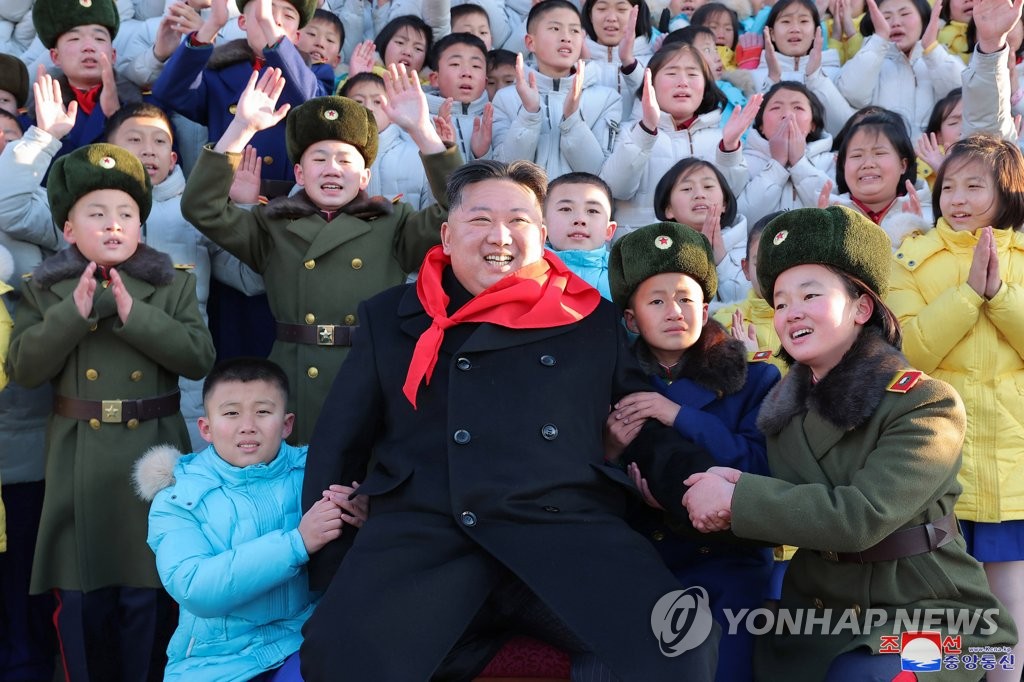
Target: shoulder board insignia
{"points": [[397, 198], [184, 266], [759, 355], [904, 380], [262, 201], [27, 276]]}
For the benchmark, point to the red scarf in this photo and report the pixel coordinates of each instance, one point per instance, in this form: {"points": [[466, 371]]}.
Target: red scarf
{"points": [[875, 216], [540, 295], [87, 98]]}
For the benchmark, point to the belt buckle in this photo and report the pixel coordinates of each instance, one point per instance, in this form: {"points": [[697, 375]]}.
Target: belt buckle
{"points": [[111, 412], [325, 335], [830, 556]]}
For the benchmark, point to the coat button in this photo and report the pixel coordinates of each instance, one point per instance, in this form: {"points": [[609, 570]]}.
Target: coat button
{"points": [[704, 550], [350, 320], [310, 264], [92, 375], [856, 609], [552, 510], [310, 318], [135, 376], [95, 424], [268, 160], [232, 109], [461, 436], [312, 372], [657, 536], [132, 424], [468, 519], [93, 327], [549, 431], [818, 604], [547, 360], [463, 364], [357, 263]]}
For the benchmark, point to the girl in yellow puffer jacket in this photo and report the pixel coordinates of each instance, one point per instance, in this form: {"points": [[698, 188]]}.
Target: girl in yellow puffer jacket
{"points": [[958, 291]]}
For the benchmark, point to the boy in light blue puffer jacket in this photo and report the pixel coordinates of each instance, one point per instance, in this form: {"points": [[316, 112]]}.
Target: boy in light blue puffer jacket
{"points": [[230, 538]]}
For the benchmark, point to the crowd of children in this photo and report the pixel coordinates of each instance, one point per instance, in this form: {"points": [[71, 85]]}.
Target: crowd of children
{"points": [[197, 180]]}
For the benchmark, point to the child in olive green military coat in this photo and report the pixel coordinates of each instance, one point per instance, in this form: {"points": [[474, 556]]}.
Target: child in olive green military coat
{"points": [[111, 325], [326, 248]]}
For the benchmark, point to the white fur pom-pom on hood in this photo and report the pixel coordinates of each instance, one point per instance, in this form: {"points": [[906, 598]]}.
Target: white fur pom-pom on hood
{"points": [[154, 471], [6, 266]]}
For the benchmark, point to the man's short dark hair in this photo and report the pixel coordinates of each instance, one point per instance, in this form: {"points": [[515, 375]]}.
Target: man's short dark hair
{"points": [[525, 173], [135, 110], [246, 370], [545, 6], [434, 58], [364, 77]]}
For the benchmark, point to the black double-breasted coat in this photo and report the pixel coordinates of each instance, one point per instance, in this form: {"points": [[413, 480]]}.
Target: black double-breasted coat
{"points": [[500, 468]]}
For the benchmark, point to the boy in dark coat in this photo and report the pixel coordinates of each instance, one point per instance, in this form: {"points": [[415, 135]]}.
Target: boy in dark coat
{"points": [[704, 385], [111, 325]]}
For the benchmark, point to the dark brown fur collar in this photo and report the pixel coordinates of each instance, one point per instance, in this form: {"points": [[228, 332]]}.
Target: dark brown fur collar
{"points": [[234, 52], [299, 205], [846, 397], [147, 264], [717, 361]]}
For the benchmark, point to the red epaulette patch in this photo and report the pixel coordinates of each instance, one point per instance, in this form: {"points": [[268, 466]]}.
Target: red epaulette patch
{"points": [[759, 356], [904, 381]]}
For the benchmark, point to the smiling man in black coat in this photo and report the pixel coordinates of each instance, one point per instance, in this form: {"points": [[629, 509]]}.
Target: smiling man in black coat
{"points": [[471, 408]]}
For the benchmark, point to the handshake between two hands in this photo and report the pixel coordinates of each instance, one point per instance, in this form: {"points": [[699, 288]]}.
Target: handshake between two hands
{"points": [[708, 501]]}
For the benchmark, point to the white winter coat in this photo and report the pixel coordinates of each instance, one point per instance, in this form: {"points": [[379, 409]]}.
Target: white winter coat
{"points": [[793, 68], [605, 61], [897, 223], [16, 27], [462, 121], [640, 160], [881, 74], [398, 170], [581, 142], [773, 187]]}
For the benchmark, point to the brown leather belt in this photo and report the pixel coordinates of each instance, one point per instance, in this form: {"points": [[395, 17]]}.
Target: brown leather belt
{"points": [[117, 411], [316, 334], [927, 537]]}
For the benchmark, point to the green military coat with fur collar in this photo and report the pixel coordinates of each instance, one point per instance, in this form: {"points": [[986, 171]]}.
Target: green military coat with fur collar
{"points": [[93, 528], [852, 463]]}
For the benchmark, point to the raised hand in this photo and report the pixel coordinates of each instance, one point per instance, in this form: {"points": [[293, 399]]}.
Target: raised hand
{"points": [[263, 18], [712, 229], [255, 110], [771, 60], [167, 38], [825, 195], [741, 331], [572, 98], [215, 21], [85, 290], [122, 297], [994, 280], [882, 28], [741, 119], [109, 101], [480, 140], [628, 39], [913, 203], [184, 18], [993, 20], [362, 59], [797, 142], [406, 105], [931, 31], [778, 144], [245, 186], [647, 405], [814, 58], [929, 149], [526, 86], [748, 50], [650, 110], [444, 129], [51, 116], [977, 276]]}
